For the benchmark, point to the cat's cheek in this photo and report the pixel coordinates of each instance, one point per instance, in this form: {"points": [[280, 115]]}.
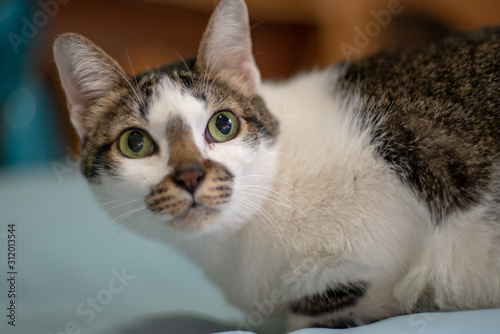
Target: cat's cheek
{"points": [[143, 174], [236, 155]]}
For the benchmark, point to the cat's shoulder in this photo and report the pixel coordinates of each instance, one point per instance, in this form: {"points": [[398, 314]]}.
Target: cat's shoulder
{"points": [[437, 115]]}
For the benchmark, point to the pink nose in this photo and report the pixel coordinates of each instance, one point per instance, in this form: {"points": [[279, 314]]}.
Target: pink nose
{"points": [[189, 177]]}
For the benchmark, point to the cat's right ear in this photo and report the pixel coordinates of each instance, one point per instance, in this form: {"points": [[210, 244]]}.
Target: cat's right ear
{"points": [[87, 74], [226, 46]]}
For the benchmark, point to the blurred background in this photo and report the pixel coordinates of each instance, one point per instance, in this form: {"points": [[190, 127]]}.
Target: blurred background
{"points": [[288, 36]]}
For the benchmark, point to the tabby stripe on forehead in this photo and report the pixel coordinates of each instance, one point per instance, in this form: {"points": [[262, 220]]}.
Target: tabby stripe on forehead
{"points": [[183, 150], [333, 299]]}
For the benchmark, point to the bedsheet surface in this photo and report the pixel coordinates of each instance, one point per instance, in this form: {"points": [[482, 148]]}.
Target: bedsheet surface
{"points": [[76, 272]]}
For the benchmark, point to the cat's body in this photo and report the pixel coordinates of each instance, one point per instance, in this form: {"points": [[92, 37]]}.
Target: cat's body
{"points": [[344, 196]]}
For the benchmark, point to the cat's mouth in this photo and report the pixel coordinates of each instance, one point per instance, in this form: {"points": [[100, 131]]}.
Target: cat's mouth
{"points": [[161, 204], [195, 210], [194, 218], [185, 213]]}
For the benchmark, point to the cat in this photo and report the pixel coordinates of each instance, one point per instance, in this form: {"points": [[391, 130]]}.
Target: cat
{"points": [[336, 198]]}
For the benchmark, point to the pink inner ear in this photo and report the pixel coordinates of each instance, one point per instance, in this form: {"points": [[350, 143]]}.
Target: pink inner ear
{"points": [[78, 105], [77, 116], [251, 75], [227, 46]]}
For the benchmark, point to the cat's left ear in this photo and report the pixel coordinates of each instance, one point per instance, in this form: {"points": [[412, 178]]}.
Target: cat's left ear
{"points": [[87, 74], [226, 47]]}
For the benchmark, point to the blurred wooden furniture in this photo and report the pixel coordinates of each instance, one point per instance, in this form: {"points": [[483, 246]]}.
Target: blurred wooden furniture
{"points": [[336, 20], [288, 35], [293, 34]]}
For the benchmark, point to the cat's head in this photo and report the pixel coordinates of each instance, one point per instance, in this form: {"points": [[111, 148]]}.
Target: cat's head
{"points": [[182, 145]]}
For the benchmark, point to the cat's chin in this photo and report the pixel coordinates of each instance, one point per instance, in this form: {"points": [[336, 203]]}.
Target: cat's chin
{"points": [[196, 219]]}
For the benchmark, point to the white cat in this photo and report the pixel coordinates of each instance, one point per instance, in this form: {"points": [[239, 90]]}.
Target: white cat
{"points": [[336, 198]]}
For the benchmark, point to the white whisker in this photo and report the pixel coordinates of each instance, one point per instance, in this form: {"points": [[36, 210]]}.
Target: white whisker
{"points": [[119, 218], [267, 198], [273, 223], [185, 64], [132, 223], [208, 73], [266, 190], [122, 204], [253, 212], [131, 98], [140, 100], [130, 63]]}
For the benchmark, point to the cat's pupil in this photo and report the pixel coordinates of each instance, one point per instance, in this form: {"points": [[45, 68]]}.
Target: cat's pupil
{"points": [[136, 141], [223, 124]]}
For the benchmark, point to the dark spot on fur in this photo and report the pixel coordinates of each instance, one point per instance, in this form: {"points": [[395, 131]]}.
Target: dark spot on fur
{"points": [[333, 299], [186, 80], [99, 161], [338, 322], [223, 188], [414, 158], [436, 111], [200, 96]]}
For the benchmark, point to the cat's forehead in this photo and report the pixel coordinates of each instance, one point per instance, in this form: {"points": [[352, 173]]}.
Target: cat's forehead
{"points": [[179, 90], [173, 101]]}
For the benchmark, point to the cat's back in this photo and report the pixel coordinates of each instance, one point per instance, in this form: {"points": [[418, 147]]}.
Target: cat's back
{"points": [[438, 116]]}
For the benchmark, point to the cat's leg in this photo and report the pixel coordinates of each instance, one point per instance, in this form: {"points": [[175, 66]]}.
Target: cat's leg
{"points": [[342, 306]]}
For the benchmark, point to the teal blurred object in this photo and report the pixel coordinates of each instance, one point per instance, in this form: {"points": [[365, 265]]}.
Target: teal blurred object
{"points": [[28, 128]]}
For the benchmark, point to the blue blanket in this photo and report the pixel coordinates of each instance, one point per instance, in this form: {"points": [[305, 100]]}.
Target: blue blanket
{"points": [[77, 272]]}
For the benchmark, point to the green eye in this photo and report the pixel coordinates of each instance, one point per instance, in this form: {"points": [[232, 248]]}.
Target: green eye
{"points": [[223, 126], [136, 144]]}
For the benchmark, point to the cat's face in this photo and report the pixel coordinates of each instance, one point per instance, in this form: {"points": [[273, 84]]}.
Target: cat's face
{"points": [[180, 146], [187, 156]]}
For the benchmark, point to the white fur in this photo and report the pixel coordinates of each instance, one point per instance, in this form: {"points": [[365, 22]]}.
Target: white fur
{"points": [[460, 259]]}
